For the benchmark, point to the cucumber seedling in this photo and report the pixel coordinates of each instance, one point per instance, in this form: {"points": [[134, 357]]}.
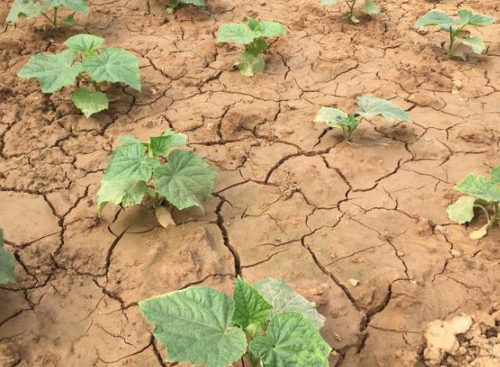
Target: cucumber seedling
{"points": [[173, 4], [369, 107], [253, 37], [267, 324], [140, 169], [369, 8], [86, 64], [49, 9], [483, 197], [457, 29], [6, 264]]}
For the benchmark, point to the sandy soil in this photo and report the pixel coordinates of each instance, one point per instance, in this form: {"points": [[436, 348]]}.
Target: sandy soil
{"points": [[292, 200]]}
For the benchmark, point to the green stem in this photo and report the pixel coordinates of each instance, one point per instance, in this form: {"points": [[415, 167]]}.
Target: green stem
{"points": [[453, 36], [49, 18], [485, 212], [55, 17], [91, 81], [351, 10], [496, 214]]}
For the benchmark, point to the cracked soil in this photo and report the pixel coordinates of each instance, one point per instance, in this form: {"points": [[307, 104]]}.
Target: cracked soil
{"points": [[361, 228]]}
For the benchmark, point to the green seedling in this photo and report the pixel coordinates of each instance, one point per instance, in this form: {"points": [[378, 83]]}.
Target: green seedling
{"points": [[458, 29], [49, 9], [88, 65], [173, 4], [369, 107], [484, 197], [253, 37], [149, 169], [268, 324], [369, 8], [6, 264]]}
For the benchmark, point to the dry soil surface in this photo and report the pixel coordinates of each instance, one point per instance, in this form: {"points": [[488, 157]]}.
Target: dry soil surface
{"points": [[361, 228]]}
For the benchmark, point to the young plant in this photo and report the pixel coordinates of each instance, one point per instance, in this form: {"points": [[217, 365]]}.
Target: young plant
{"points": [[33, 8], [140, 169], [369, 107], [86, 64], [6, 264], [268, 324], [484, 195], [173, 4], [458, 29], [369, 8], [253, 37]]}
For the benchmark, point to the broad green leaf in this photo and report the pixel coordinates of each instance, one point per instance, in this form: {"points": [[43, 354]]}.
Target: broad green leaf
{"points": [[291, 340], [79, 6], [250, 65], [250, 307], [435, 17], [84, 43], [194, 2], [476, 20], [372, 106], [89, 102], [129, 163], [331, 2], [7, 274], [256, 47], [480, 233], [238, 33], [480, 188], [195, 326], [114, 65], [186, 180], [25, 9], [371, 8], [52, 71], [462, 211], [476, 43], [269, 29], [333, 117], [495, 175], [284, 299], [127, 193], [159, 145]]}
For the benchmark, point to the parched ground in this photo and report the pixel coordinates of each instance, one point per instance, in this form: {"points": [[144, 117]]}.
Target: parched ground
{"points": [[359, 228]]}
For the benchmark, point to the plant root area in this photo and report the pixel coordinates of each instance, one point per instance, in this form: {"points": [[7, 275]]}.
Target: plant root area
{"points": [[359, 228]]}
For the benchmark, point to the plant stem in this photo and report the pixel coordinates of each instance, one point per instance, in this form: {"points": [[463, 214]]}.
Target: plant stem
{"points": [[485, 212], [49, 18], [351, 9], [55, 17], [453, 35]]}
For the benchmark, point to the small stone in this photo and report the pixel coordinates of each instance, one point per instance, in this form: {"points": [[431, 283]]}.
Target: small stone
{"points": [[354, 282]]}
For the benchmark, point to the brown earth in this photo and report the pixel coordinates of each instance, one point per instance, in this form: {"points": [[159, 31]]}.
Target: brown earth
{"points": [[359, 228]]}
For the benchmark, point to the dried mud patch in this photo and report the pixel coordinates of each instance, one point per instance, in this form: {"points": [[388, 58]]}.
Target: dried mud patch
{"points": [[359, 228]]}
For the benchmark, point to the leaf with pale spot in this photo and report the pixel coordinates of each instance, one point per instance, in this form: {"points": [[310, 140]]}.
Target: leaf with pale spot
{"points": [[52, 71], [291, 340], [462, 211], [334, 117], [372, 106], [480, 188], [476, 43], [195, 326], [250, 65], [127, 193], [89, 102], [283, 299], [22, 9]]}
